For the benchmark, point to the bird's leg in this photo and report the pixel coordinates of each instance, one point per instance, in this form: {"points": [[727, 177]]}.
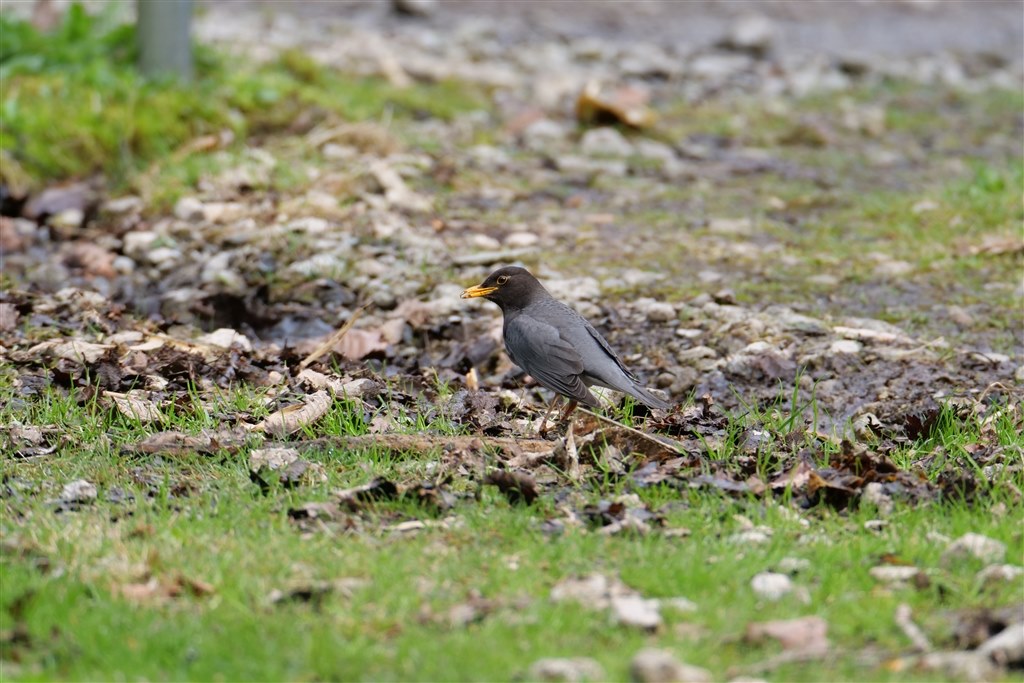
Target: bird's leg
{"points": [[542, 430], [568, 410]]}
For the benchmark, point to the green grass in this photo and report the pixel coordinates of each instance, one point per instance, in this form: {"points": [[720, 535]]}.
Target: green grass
{"points": [[74, 104], [200, 518]]}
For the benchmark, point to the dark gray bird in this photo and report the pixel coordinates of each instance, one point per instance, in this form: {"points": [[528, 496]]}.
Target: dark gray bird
{"points": [[554, 343]]}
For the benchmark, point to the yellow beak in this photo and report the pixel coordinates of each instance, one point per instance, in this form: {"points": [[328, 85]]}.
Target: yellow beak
{"points": [[479, 290]]}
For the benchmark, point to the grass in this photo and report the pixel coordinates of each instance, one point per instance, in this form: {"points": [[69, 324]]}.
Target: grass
{"points": [[73, 103], [200, 519]]}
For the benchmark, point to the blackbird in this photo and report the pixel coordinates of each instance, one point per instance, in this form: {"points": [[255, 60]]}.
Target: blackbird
{"points": [[554, 343]]}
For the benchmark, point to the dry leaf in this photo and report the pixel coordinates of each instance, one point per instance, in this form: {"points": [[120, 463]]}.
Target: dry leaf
{"points": [[626, 105], [135, 407], [293, 418], [73, 350], [92, 258], [8, 317], [272, 458]]}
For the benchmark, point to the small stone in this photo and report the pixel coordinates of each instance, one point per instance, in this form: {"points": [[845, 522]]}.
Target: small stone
{"points": [[78, 491], [753, 33], [567, 670], [139, 242], [924, 205], [894, 575], [124, 265], [960, 316], [189, 209], [845, 346], [383, 298], [660, 666], [127, 204], [731, 226], [654, 150], [606, 142], [542, 133], [486, 242], [164, 256], [994, 573], [517, 240], [824, 279], [568, 163], [893, 268], [664, 380], [1018, 375], [977, 546], [414, 8], [1006, 648], [793, 565], [719, 67], [750, 537], [875, 494], [68, 219], [678, 604], [358, 388], [312, 225], [661, 312], [373, 267], [225, 338], [636, 611], [960, 666], [772, 586]]}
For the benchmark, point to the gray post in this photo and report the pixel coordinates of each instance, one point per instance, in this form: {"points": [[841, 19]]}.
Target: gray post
{"points": [[165, 44]]}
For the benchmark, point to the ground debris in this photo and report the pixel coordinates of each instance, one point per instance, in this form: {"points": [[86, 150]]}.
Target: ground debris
{"points": [[661, 666], [566, 670], [518, 487]]}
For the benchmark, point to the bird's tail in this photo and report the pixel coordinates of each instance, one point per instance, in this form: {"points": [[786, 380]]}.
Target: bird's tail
{"points": [[647, 398]]}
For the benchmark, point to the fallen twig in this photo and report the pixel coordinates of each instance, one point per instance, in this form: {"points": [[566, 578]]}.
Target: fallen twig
{"points": [[912, 630], [333, 339], [662, 441], [423, 443]]}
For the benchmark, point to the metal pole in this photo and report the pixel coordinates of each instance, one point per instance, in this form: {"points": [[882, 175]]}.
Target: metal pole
{"points": [[165, 44]]}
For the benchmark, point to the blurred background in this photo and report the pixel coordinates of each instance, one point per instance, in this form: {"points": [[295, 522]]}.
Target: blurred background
{"points": [[288, 162]]}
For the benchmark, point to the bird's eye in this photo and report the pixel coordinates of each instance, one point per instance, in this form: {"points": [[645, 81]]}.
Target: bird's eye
{"points": [[503, 279]]}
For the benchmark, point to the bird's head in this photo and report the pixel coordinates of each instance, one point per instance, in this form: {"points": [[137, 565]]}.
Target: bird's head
{"points": [[511, 287]]}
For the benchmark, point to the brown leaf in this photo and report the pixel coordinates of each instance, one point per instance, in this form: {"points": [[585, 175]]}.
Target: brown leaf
{"points": [[180, 443], [314, 510], [92, 258], [135, 407], [517, 487], [358, 496], [11, 240], [59, 198], [316, 591], [359, 344], [8, 317], [291, 419], [626, 105], [994, 245], [160, 590], [73, 350]]}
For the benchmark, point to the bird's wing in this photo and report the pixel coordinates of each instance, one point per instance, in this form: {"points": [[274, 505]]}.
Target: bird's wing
{"points": [[552, 361], [608, 349]]}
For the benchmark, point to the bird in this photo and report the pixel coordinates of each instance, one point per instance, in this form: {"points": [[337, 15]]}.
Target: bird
{"points": [[557, 346]]}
